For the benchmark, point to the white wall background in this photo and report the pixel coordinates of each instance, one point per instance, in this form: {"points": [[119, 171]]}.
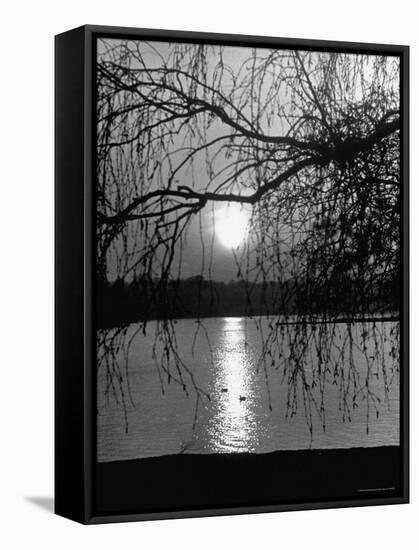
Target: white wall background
{"points": [[26, 272]]}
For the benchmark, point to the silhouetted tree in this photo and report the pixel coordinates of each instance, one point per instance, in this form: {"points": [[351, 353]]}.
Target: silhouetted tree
{"points": [[308, 142]]}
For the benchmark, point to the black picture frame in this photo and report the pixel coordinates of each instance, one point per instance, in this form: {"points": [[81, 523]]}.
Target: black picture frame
{"points": [[77, 480]]}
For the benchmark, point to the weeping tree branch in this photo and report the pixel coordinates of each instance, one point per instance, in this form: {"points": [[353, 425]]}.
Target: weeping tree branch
{"points": [[308, 142], [202, 198]]}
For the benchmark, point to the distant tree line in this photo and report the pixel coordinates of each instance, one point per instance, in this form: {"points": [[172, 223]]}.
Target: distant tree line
{"points": [[120, 303]]}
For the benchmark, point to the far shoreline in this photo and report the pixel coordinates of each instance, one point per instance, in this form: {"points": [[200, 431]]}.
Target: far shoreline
{"points": [[312, 319]]}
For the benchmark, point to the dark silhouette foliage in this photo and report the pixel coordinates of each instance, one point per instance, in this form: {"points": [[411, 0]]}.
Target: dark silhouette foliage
{"points": [[309, 143]]}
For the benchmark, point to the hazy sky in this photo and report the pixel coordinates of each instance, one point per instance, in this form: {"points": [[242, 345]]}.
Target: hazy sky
{"points": [[223, 266], [202, 233], [133, 170]]}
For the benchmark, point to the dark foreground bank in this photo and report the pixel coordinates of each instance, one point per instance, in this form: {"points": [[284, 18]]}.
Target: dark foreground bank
{"points": [[181, 482]]}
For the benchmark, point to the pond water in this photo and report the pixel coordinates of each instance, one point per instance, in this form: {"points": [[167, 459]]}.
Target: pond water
{"points": [[317, 386]]}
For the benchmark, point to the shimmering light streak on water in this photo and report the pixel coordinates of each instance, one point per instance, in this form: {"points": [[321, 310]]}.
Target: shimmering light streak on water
{"points": [[237, 418], [234, 426]]}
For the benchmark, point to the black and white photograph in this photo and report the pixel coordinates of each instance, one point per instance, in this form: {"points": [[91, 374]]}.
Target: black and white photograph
{"points": [[209, 272], [247, 274]]}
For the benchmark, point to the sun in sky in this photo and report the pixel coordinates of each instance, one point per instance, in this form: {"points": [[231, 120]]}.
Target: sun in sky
{"points": [[231, 225]]}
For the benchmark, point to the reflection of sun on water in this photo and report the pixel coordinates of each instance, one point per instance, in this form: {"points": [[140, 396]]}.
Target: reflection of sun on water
{"points": [[233, 426]]}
